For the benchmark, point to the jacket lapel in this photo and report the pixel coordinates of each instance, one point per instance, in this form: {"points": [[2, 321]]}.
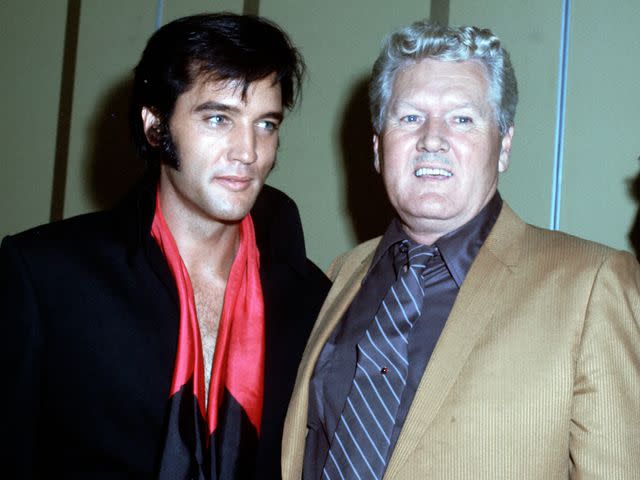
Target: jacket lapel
{"points": [[472, 311], [346, 285]]}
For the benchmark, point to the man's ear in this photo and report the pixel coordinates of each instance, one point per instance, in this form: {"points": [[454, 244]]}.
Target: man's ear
{"points": [[376, 152], [151, 125], [505, 150]]}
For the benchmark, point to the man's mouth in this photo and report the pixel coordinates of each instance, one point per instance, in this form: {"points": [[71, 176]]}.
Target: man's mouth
{"points": [[234, 182], [432, 172]]}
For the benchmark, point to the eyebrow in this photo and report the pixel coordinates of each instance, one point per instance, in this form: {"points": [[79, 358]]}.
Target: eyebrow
{"points": [[470, 105], [221, 107], [275, 115], [409, 104]]}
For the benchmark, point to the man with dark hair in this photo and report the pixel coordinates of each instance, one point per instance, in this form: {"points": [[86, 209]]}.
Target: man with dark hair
{"points": [[161, 339], [463, 343]]}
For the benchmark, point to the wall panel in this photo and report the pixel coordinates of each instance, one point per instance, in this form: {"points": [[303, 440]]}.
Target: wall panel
{"points": [[603, 128], [102, 164], [531, 33], [31, 48], [325, 160], [180, 8], [325, 154]]}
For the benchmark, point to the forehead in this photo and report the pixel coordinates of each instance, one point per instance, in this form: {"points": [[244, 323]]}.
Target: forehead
{"points": [[442, 80], [233, 91]]}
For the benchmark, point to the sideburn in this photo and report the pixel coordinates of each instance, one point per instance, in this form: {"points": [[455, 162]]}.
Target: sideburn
{"points": [[166, 149]]}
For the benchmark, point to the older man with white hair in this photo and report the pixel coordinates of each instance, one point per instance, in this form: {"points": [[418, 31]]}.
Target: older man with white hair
{"points": [[464, 343]]}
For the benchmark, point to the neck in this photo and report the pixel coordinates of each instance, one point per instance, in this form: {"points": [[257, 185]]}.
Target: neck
{"points": [[424, 236], [207, 247]]}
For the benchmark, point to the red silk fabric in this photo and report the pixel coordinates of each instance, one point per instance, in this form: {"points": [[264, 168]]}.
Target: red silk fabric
{"points": [[238, 361]]}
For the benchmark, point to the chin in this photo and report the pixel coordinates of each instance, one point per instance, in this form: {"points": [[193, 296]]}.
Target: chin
{"points": [[233, 216], [227, 213], [431, 206]]}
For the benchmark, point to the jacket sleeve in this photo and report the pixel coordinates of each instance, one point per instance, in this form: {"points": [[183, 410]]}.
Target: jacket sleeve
{"points": [[21, 357], [605, 427]]}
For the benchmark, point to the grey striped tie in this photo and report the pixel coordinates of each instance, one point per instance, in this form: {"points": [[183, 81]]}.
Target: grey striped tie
{"points": [[361, 442]]}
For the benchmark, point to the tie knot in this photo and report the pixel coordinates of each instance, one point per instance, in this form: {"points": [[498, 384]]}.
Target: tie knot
{"points": [[416, 255], [419, 255]]}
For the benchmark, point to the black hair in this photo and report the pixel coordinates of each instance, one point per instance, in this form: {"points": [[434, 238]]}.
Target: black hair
{"points": [[220, 47]]}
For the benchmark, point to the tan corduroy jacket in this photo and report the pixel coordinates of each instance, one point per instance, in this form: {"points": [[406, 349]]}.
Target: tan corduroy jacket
{"points": [[536, 374]]}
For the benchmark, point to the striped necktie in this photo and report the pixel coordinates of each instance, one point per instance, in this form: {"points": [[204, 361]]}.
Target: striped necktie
{"points": [[361, 443]]}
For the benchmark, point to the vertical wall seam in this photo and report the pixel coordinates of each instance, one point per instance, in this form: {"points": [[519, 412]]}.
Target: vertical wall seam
{"points": [[439, 11], [251, 7], [65, 107], [558, 157], [159, 13]]}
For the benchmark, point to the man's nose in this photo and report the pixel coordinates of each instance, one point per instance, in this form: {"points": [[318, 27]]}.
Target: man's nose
{"points": [[244, 144], [433, 137]]}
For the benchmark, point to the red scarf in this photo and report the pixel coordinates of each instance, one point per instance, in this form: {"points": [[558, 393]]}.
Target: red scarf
{"points": [[237, 369]]}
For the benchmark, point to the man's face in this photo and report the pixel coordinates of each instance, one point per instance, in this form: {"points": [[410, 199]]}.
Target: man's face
{"points": [[226, 147], [440, 149]]}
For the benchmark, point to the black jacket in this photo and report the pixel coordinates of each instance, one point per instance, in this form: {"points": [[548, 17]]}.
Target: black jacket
{"points": [[90, 326]]}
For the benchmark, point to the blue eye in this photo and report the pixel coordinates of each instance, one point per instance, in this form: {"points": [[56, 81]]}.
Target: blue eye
{"points": [[464, 120], [410, 118], [268, 125], [216, 119]]}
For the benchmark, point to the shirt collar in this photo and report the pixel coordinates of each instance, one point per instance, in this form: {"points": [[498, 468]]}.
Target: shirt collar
{"points": [[458, 248]]}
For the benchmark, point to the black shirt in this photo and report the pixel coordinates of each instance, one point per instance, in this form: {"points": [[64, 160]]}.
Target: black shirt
{"points": [[335, 368]]}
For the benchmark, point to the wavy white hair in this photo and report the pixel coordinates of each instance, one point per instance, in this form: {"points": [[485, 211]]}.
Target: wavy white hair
{"points": [[425, 40]]}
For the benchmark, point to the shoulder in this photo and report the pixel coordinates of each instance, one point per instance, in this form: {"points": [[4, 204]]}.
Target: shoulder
{"points": [[562, 249], [120, 225], [556, 269], [69, 233], [279, 234], [275, 217], [518, 243], [273, 204], [76, 243], [614, 272], [354, 258], [51, 258]]}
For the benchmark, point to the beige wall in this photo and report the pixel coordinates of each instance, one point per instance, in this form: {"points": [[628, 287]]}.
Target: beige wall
{"points": [[325, 157], [110, 38], [31, 48], [601, 144], [112, 35], [533, 45], [325, 160], [603, 123]]}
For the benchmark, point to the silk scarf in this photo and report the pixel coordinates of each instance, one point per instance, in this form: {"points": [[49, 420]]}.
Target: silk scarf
{"points": [[219, 440]]}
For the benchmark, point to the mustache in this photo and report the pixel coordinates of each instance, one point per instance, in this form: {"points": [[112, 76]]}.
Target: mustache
{"points": [[431, 158]]}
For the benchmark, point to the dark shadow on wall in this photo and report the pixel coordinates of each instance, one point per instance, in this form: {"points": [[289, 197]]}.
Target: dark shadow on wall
{"points": [[439, 11], [65, 103], [251, 7], [113, 166], [367, 203], [634, 233]]}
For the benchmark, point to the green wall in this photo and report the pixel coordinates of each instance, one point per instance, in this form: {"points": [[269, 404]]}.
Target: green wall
{"points": [[325, 161], [325, 155], [533, 43], [102, 164], [601, 141], [31, 48], [603, 125]]}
